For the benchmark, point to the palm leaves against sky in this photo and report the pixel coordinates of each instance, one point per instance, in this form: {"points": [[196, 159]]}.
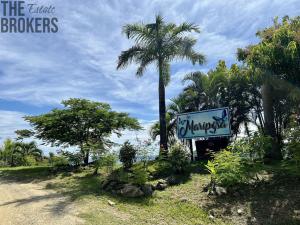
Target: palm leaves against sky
{"points": [[159, 43]]}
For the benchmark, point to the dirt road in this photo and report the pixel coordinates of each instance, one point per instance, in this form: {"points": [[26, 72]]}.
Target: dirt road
{"points": [[32, 204]]}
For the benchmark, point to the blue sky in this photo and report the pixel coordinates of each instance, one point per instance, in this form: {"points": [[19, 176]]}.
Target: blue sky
{"points": [[37, 71]]}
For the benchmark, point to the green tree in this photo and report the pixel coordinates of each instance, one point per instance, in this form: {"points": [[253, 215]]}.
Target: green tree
{"points": [[220, 88], [159, 43], [127, 155], [81, 123], [277, 58]]}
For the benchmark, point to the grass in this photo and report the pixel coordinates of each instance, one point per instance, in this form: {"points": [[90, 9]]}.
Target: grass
{"points": [[274, 200]]}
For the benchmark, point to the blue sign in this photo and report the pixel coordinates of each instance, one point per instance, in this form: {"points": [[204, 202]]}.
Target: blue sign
{"points": [[208, 123]]}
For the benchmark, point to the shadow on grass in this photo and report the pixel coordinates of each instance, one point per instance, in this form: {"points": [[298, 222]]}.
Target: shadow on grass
{"points": [[26, 174], [77, 186], [272, 202]]}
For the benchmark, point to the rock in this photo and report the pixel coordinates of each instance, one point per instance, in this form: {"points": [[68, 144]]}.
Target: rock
{"points": [[147, 189], [131, 191], [220, 191], [236, 194], [172, 180], [161, 185], [211, 217], [212, 212], [105, 183], [111, 203], [253, 220], [240, 211]]}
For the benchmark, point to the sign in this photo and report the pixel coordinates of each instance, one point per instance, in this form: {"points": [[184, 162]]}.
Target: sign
{"points": [[208, 123]]}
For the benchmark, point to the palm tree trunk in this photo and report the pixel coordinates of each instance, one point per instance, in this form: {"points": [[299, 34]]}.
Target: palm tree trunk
{"points": [[162, 110], [267, 98]]}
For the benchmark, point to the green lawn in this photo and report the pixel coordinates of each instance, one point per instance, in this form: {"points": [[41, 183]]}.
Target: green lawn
{"points": [[275, 200]]}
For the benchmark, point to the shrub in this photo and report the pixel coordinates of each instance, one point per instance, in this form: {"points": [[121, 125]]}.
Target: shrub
{"points": [[229, 168], [30, 160], [59, 161], [127, 155], [254, 147], [160, 169], [107, 161], [179, 158], [139, 176], [292, 147]]}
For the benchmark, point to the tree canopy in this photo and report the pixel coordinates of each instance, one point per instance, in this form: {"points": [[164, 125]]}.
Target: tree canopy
{"points": [[82, 123]]}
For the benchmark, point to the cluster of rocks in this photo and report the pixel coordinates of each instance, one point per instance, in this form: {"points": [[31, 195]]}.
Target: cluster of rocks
{"points": [[133, 190], [219, 191], [127, 190]]}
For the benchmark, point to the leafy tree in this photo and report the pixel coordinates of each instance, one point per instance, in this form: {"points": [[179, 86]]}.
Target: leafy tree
{"points": [[22, 134], [220, 88], [159, 43], [276, 58], [81, 123], [127, 155]]}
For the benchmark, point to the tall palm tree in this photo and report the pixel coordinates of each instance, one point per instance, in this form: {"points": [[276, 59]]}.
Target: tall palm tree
{"points": [[176, 106], [159, 43]]}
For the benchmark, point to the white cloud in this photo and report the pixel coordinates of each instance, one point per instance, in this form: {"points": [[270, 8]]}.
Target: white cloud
{"points": [[9, 122]]}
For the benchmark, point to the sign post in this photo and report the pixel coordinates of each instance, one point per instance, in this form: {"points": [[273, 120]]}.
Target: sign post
{"points": [[204, 124]]}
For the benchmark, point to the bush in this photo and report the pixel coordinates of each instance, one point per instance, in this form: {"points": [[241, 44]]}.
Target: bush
{"points": [[107, 161], [30, 161], [127, 155], [59, 161], [160, 169], [179, 158], [229, 168], [254, 147], [292, 147], [139, 176]]}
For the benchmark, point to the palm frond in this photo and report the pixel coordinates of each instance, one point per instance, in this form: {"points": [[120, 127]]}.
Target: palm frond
{"points": [[186, 27], [129, 56]]}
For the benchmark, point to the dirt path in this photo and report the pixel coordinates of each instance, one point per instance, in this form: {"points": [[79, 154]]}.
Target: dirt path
{"points": [[32, 204]]}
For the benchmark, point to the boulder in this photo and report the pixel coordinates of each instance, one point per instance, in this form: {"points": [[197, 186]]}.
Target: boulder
{"points": [[131, 191], [147, 189], [111, 203], [240, 211], [172, 180], [220, 191], [161, 185]]}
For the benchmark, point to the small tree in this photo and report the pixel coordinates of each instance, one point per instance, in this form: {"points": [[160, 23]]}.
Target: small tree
{"points": [[179, 158], [127, 155]]}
